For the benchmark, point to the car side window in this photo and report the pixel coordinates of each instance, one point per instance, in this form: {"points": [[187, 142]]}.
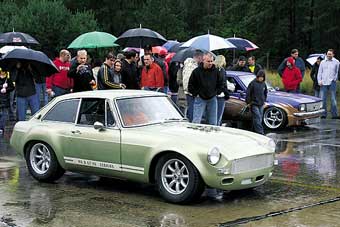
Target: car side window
{"points": [[63, 111], [91, 110], [109, 116], [236, 84]]}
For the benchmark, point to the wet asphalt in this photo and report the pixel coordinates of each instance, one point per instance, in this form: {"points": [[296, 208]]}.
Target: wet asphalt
{"points": [[304, 191]]}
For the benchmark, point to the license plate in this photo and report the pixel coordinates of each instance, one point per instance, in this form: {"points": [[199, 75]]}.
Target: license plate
{"points": [[246, 181], [312, 121]]}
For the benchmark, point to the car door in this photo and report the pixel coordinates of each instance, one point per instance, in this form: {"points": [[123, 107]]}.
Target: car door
{"points": [[234, 106], [95, 150]]}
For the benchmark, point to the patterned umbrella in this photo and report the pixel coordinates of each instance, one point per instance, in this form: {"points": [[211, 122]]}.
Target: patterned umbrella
{"points": [[17, 38], [242, 44]]}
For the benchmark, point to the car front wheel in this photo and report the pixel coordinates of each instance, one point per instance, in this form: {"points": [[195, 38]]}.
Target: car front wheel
{"points": [[42, 163], [178, 180], [274, 118]]}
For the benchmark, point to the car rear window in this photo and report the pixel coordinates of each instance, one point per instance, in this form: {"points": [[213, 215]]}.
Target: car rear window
{"points": [[64, 111]]}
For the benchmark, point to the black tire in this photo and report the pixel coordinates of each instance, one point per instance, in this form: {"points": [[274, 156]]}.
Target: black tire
{"points": [[49, 169], [274, 118], [184, 186]]}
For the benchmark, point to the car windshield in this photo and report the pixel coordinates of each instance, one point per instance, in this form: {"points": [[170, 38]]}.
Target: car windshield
{"points": [[147, 110], [249, 78]]}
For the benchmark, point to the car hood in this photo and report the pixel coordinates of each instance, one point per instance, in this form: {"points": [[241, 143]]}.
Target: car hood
{"points": [[233, 143], [290, 98]]}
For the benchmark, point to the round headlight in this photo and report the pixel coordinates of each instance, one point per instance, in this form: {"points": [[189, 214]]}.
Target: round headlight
{"points": [[302, 107], [271, 145], [214, 156]]}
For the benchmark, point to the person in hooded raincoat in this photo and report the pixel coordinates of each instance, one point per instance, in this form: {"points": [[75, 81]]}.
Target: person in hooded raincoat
{"points": [[291, 76]]}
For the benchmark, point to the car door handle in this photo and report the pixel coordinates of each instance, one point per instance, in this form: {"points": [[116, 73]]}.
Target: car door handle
{"points": [[76, 132]]}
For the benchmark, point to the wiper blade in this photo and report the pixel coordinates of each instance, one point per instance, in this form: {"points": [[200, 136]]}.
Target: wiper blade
{"points": [[175, 119]]}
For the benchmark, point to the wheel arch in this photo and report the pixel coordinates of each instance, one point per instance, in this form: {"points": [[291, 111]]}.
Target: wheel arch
{"points": [[29, 144], [155, 159]]}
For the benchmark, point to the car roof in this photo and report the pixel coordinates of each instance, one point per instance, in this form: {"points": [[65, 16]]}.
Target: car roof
{"points": [[238, 73], [111, 94]]}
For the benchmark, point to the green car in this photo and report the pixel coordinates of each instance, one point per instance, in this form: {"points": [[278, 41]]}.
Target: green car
{"points": [[140, 136]]}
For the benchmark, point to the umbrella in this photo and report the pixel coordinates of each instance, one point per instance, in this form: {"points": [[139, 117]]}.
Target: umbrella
{"points": [[170, 43], [5, 49], [311, 59], [131, 49], [175, 48], [93, 40], [242, 44], [140, 37], [169, 56], [17, 38], [208, 42], [37, 59], [185, 53], [158, 49]]}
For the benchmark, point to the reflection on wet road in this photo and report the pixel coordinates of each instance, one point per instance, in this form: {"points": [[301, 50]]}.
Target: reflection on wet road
{"points": [[304, 191]]}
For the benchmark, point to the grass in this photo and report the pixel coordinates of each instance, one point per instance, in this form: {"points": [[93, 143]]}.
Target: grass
{"points": [[306, 86]]}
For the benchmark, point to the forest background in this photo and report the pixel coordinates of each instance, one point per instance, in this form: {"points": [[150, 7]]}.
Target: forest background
{"points": [[276, 26]]}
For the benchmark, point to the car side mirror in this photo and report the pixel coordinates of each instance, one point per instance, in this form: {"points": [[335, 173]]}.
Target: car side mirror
{"points": [[98, 126]]}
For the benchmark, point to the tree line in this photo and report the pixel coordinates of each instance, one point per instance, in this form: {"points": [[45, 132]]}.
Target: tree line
{"points": [[276, 26]]}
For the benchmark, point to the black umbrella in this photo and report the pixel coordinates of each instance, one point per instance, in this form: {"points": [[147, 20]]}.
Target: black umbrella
{"points": [[37, 59], [140, 37], [185, 53], [17, 38]]}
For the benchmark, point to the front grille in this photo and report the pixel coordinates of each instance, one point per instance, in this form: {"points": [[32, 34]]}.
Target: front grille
{"points": [[252, 163], [310, 107]]}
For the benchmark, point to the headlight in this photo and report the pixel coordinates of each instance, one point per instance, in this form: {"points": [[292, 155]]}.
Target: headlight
{"points": [[271, 145], [214, 156], [302, 107]]}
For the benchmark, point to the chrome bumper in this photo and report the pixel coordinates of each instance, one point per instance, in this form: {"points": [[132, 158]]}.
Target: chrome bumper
{"points": [[308, 114]]}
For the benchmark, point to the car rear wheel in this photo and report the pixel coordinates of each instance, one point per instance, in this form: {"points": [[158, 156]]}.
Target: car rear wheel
{"points": [[42, 163], [274, 118], [178, 180]]}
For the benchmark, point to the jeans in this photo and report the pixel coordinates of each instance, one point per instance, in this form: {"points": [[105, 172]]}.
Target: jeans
{"points": [[11, 110], [41, 90], [190, 107], [220, 109], [3, 118], [22, 104], [59, 91], [317, 93], [323, 95], [209, 106], [257, 113]]}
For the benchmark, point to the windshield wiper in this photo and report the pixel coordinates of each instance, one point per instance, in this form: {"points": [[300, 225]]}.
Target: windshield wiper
{"points": [[175, 119]]}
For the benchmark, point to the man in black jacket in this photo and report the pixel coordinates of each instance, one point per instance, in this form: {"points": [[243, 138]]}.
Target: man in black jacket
{"points": [[81, 73], [204, 84], [256, 97], [25, 90], [129, 71]]}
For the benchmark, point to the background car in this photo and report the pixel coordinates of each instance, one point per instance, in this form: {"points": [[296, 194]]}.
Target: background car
{"points": [[140, 136], [281, 109]]}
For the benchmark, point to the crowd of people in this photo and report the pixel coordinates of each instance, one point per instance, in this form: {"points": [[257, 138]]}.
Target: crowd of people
{"points": [[199, 82]]}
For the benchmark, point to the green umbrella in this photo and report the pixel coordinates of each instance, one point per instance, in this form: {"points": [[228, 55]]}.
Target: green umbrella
{"points": [[93, 40]]}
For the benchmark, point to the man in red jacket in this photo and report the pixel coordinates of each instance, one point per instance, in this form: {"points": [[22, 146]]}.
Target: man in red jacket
{"points": [[59, 83], [291, 76], [152, 75]]}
